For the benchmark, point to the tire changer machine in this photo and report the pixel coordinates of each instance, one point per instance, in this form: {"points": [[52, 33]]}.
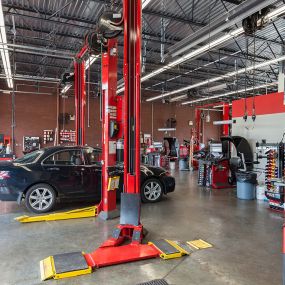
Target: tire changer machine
{"points": [[218, 166]]}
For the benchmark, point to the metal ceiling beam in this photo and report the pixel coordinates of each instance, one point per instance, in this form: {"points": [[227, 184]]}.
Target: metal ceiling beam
{"points": [[236, 2], [158, 14]]}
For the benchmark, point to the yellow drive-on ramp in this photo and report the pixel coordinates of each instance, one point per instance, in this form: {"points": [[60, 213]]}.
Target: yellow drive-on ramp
{"points": [[74, 214], [168, 249], [64, 265]]}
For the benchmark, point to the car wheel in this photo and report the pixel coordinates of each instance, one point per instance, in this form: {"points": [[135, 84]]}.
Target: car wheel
{"points": [[151, 191], [40, 198]]}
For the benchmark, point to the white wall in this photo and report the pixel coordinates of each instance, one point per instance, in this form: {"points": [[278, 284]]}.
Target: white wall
{"points": [[269, 127]]}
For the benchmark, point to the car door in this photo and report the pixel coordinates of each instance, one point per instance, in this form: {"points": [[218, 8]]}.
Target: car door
{"points": [[62, 171], [93, 172]]}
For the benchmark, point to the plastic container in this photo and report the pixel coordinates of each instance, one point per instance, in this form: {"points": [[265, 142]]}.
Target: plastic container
{"points": [[183, 164], [246, 185], [157, 160], [260, 192], [172, 165]]}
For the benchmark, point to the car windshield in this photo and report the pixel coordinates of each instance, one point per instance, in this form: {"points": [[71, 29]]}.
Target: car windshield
{"points": [[29, 157]]}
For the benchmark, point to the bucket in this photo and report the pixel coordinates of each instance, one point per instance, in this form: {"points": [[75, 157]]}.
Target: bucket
{"points": [[245, 190], [172, 165], [183, 164], [260, 192]]}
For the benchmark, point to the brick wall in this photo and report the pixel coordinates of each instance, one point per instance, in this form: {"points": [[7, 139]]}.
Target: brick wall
{"points": [[34, 113]]}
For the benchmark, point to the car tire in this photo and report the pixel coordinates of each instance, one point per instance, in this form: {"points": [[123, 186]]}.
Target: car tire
{"points": [[151, 191], [40, 198]]}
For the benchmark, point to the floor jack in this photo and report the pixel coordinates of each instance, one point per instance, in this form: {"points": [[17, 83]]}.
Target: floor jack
{"points": [[116, 250]]}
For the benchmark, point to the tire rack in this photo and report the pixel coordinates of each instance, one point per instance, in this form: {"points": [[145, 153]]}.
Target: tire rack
{"points": [[274, 171]]}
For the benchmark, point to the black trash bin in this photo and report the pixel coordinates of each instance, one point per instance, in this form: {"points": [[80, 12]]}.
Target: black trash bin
{"points": [[246, 185]]}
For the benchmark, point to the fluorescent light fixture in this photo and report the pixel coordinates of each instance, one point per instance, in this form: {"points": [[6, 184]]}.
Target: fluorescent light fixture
{"points": [[4, 49], [65, 89], [221, 106], [191, 54], [227, 75], [230, 93], [225, 122], [178, 98], [145, 3], [90, 61], [208, 118], [166, 129], [275, 13]]}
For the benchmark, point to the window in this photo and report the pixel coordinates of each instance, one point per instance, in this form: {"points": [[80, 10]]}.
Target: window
{"points": [[67, 157], [29, 157], [93, 156]]}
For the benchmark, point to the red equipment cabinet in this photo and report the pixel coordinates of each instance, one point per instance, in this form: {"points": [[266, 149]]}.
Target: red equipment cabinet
{"points": [[220, 174]]}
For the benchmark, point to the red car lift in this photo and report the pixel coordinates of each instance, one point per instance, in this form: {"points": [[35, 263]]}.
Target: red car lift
{"points": [[130, 228]]}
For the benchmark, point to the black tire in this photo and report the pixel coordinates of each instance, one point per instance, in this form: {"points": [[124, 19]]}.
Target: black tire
{"points": [[40, 198], [151, 191]]}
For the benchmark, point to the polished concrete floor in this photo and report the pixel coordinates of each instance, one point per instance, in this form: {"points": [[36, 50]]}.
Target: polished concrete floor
{"points": [[245, 234]]}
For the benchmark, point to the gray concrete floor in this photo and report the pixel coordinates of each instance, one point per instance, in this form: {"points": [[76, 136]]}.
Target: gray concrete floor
{"points": [[245, 234]]}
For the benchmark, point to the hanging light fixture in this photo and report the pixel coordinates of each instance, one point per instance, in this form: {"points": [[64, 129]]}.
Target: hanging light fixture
{"points": [[208, 117]]}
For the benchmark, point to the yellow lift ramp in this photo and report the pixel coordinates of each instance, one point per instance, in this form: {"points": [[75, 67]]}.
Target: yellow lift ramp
{"points": [[64, 265], [74, 214], [169, 249]]}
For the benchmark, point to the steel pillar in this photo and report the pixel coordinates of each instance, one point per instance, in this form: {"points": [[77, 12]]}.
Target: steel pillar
{"points": [[226, 117], [80, 97], [198, 125]]}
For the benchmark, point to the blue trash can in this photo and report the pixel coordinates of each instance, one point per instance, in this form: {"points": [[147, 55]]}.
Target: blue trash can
{"points": [[246, 185]]}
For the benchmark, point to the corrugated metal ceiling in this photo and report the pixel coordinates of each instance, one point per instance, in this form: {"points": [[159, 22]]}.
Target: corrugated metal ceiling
{"points": [[61, 25]]}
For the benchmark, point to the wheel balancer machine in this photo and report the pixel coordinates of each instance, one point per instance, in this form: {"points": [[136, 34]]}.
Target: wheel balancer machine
{"points": [[113, 251]]}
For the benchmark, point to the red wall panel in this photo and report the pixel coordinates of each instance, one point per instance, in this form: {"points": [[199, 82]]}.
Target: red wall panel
{"points": [[272, 103]]}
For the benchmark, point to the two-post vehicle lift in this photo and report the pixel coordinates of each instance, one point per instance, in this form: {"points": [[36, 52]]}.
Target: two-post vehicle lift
{"points": [[125, 244]]}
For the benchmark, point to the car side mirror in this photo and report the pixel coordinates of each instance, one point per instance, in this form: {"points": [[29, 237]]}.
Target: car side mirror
{"points": [[78, 161]]}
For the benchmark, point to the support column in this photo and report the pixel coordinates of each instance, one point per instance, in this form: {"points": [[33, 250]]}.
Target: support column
{"points": [[80, 101], [226, 117], [198, 125]]}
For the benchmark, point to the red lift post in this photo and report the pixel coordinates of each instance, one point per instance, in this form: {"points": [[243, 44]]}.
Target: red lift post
{"points": [[112, 252], [110, 130]]}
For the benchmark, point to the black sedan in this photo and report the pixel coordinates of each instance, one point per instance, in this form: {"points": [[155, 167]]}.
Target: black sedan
{"points": [[48, 175]]}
